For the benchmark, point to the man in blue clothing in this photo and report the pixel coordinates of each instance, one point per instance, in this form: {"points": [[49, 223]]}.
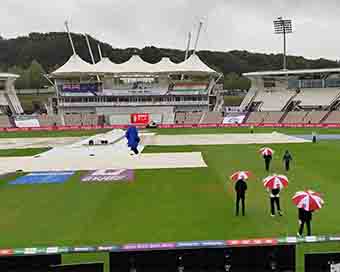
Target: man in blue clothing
{"points": [[133, 139]]}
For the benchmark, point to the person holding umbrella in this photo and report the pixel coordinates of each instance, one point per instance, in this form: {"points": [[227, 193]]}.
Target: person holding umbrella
{"points": [[274, 184], [267, 154], [287, 158], [307, 202], [240, 189]]}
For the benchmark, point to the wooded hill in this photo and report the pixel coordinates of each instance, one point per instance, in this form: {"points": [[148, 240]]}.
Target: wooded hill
{"points": [[44, 52]]}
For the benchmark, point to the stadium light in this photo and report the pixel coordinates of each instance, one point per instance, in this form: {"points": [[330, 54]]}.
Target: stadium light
{"points": [[283, 27]]}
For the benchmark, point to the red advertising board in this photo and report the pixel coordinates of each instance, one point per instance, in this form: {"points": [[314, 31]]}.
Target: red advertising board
{"points": [[140, 118]]}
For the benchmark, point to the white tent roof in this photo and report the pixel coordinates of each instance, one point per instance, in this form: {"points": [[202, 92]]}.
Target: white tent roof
{"points": [[75, 65], [134, 66], [166, 65], [106, 66], [194, 65]]}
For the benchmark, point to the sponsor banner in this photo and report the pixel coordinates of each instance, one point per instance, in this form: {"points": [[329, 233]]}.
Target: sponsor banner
{"points": [[152, 246], [252, 242], [19, 251], [52, 250], [6, 252], [108, 248], [30, 251], [213, 243], [83, 249], [140, 118], [44, 177], [311, 239], [28, 123], [334, 238], [109, 175], [141, 126], [234, 119]]}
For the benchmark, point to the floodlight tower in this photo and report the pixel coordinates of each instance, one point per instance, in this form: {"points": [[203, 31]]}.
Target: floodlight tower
{"points": [[282, 26]]}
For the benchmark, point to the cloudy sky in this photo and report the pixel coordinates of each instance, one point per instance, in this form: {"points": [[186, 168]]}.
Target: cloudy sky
{"points": [[229, 24]]}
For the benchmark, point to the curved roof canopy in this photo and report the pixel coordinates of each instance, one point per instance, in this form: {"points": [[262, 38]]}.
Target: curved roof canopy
{"points": [[292, 72], [134, 66], [74, 66]]}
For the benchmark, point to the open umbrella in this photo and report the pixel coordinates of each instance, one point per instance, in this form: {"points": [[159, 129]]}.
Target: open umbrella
{"points": [[275, 182], [308, 200], [240, 175], [266, 151]]}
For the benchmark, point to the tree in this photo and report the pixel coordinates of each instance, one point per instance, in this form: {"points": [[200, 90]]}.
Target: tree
{"points": [[35, 75]]}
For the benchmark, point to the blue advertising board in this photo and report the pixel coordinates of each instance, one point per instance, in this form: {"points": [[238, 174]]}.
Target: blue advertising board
{"points": [[44, 177]]}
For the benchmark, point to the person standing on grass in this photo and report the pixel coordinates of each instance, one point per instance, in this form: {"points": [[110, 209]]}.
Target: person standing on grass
{"points": [[267, 160], [275, 201], [305, 217], [240, 189], [287, 157]]}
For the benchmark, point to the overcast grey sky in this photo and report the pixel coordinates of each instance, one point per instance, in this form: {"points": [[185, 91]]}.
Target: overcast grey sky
{"points": [[229, 24]]}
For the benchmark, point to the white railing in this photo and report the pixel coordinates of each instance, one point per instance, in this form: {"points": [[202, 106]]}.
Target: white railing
{"points": [[100, 104]]}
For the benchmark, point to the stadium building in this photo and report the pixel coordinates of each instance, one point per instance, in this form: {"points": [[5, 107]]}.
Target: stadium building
{"points": [[293, 96], [115, 91]]}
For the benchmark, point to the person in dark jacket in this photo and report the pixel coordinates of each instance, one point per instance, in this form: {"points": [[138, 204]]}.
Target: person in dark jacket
{"points": [[275, 201], [287, 157], [305, 217], [267, 160], [240, 188]]}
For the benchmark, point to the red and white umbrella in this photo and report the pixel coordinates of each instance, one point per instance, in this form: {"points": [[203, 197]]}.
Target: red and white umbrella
{"points": [[266, 151], [275, 182], [240, 175], [308, 200]]}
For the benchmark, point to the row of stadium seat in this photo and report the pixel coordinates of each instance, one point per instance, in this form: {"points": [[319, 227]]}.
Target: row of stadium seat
{"points": [[198, 118], [304, 117]]}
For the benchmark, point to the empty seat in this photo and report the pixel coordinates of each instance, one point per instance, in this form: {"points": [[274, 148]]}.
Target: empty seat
{"points": [[212, 117], [314, 97], [314, 117], [4, 121], [193, 117], [333, 118], [275, 100], [256, 117], [273, 117], [295, 117]]}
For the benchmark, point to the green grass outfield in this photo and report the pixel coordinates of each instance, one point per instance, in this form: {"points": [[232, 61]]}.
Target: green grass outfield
{"points": [[173, 204]]}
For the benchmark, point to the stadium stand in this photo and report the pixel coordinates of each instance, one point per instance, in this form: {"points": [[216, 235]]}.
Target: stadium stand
{"points": [[256, 117], [333, 117], [314, 117], [273, 101], [212, 118], [295, 117], [273, 117], [156, 117], [168, 118], [193, 117], [49, 120], [4, 121], [179, 117], [317, 97], [118, 119]]}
